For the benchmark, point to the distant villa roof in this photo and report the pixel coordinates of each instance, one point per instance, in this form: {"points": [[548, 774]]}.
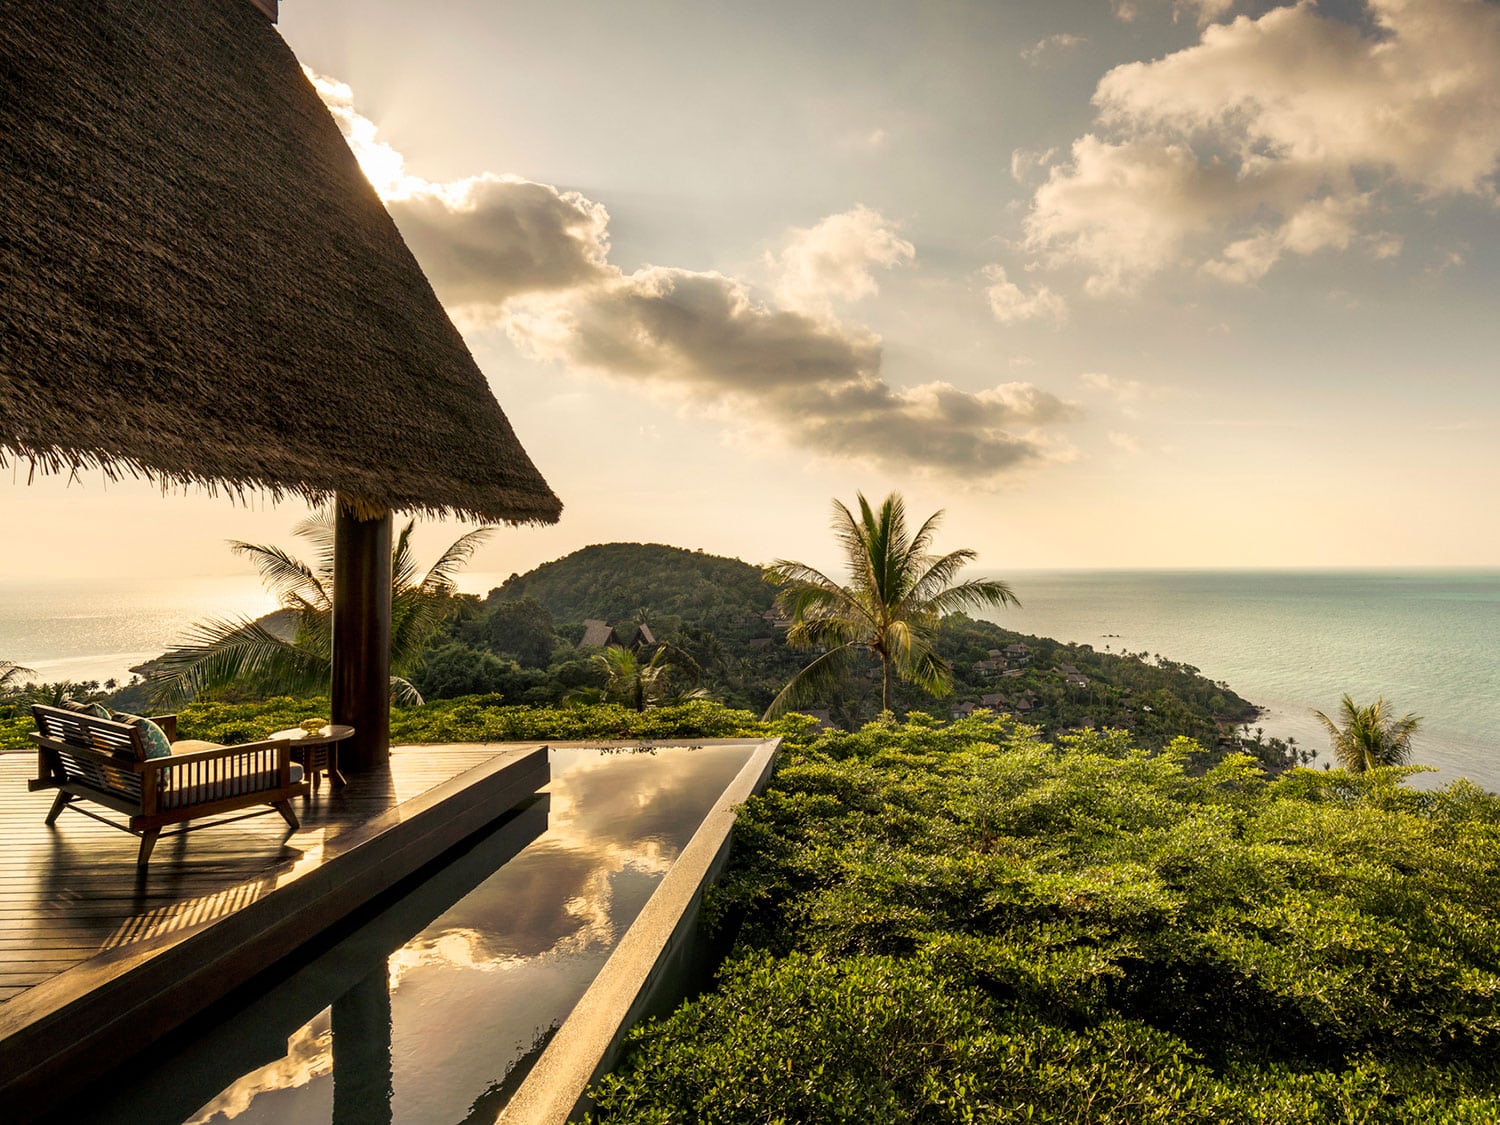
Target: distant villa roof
{"points": [[200, 286], [597, 634]]}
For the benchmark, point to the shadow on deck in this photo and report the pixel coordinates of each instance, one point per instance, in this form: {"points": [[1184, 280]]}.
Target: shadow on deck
{"points": [[93, 955]]}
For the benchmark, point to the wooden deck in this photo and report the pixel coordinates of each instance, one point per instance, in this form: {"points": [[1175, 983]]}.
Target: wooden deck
{"points": [[88, 947], [70, 891]]}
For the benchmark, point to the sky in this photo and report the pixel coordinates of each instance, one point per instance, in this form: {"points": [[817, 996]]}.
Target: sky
{"points": [[1117, 283]]}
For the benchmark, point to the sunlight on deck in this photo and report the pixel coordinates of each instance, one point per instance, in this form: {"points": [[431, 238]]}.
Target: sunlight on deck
{"points": [[70, 891]]}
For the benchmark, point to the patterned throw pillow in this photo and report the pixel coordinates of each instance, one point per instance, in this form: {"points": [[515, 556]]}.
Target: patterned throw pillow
{"points": [[152, 736], [93, 710]]}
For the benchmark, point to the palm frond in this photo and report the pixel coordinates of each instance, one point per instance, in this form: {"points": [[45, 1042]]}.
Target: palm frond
{"points": [[938, 573], [972, 595], [921, 542], [289, 579], [898, 641], [813, 602], [783, 572], [886, 541], [440, 575], [319, 530], [807, 592], [929, 671], [852, 536], [824, 632], [403, 566], [220, 653], [11, 673], [405, 693], [818, 677]]}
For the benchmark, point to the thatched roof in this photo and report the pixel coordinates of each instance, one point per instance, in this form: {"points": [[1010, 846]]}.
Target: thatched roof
{"points": [[598, 634], [200, 286]]}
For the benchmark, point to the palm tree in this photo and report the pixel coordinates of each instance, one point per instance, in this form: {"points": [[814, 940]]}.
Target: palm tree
{"points": [[10, 676], [1369, 736], [297, 655], [896, 596], [640, 683]]}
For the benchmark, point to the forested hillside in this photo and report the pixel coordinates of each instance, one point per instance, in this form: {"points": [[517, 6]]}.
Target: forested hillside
{"points": [[615, 581], [715, 614], [523, 644]]}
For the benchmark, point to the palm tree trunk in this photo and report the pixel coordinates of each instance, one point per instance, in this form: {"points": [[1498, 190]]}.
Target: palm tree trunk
{"points": [[885, 686]]}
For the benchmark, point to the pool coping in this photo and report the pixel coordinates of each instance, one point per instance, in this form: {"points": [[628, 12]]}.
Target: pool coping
{"points": [[88, 1020], [586, 1045]]}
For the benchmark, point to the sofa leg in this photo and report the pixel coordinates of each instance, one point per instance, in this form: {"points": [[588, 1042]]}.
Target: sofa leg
{"points": [[58, 806], [148, 841], [285, 809]]}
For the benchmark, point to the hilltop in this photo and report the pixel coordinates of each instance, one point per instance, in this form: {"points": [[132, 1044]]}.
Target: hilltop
{"points": [[617, 581], [718, 611]]}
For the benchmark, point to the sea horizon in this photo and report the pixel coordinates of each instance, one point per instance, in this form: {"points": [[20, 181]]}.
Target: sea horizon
{"points": [[1290, 640]]}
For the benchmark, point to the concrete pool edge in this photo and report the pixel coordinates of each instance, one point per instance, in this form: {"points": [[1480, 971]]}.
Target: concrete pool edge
{"points": [[586, 1044]]}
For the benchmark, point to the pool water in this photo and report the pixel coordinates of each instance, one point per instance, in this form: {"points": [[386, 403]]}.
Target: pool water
{"points": [[432, 1010]]}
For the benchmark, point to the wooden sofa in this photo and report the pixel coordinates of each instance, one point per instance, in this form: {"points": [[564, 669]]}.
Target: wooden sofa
{"points": [[104, 761]]}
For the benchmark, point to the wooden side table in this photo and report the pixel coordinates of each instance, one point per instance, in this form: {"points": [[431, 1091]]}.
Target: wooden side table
{"points": [[318, 751]]}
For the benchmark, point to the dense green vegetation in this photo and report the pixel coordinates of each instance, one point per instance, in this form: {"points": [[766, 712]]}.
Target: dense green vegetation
{"points": [[970, 923], [521, 642], [520, 645]]}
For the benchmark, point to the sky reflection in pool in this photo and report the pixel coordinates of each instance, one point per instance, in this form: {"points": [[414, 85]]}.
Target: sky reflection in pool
{"points": [[422, 1014]]}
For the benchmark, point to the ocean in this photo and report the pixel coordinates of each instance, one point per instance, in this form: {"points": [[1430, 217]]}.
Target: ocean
{"points": [[78, 630], [1293, 642], [1289, 641]]}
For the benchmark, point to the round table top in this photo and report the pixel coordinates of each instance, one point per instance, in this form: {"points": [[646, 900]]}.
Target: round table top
{"points": [[333, 732]]}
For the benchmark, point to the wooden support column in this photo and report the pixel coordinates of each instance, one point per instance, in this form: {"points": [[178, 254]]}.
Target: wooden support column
{"points": [[362, 636], [362, 1074]]}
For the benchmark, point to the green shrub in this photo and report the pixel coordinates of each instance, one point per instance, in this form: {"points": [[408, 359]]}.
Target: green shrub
{"points": [[1154, 945]]}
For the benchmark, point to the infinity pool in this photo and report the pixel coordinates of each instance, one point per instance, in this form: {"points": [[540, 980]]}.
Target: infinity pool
{"points": [[432, 1010]]}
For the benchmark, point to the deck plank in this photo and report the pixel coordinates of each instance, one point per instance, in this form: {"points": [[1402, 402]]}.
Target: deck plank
{"points": [[70, 892]]}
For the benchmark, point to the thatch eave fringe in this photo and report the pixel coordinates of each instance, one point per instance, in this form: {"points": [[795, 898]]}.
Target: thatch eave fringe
{"points": [[241, 490]]}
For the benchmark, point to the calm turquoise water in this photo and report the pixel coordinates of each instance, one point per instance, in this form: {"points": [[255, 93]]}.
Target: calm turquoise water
{"points": [[1290, 641], [1295, 641]]}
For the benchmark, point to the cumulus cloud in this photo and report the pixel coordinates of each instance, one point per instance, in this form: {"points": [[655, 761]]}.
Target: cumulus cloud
{"points": [[1275, 136], [836, 259], [481, 239], [507, 252], [1013, 305], [703, 337], [1201, 12], [487, 238], [1044, 50], [1125, 390], [1027, 162]]}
